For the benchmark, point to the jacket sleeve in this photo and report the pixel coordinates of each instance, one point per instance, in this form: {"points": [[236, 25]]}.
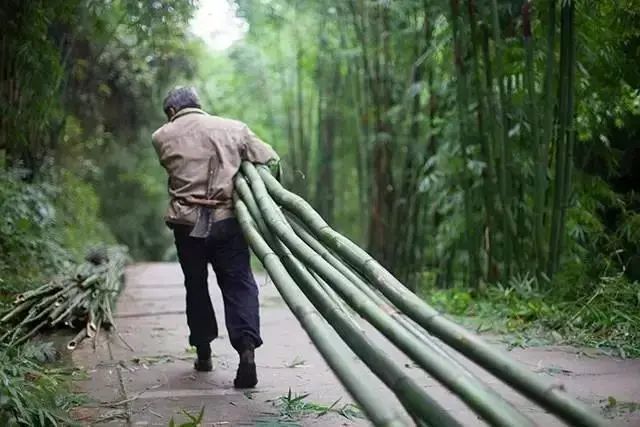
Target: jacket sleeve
{"points": [[156, 147], [254, 150]]}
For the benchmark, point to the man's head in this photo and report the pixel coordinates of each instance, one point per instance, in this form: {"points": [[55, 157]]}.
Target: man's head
{"points": [[179, 98]]}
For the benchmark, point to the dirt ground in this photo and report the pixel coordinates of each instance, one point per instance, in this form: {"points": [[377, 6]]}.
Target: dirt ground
{"points": [[154, 382]]}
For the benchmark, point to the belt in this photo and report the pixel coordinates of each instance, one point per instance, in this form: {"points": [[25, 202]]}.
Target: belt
{"points": [[210, 203]]}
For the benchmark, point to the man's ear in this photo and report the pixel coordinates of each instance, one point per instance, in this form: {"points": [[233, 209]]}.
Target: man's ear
{"points": [[172, 112]]}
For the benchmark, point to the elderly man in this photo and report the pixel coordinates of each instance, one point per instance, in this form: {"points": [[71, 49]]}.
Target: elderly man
{"points": [[201, 154]]}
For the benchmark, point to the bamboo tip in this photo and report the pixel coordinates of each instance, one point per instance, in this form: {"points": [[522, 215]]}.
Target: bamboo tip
{"points": [[72, 345], [91, 329]]}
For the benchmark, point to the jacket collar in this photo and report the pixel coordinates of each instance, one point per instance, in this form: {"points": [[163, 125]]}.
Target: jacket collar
{"points": [[186, 111]]}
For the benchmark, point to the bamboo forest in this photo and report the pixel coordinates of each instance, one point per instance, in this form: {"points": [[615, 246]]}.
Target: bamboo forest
{"points": [[456, 195]]}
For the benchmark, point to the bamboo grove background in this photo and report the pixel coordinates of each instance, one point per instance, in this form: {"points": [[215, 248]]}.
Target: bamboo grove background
{"points": [[463, 142]]}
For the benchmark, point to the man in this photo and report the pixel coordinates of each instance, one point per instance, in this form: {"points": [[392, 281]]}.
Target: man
{"points": [[201, 154]]}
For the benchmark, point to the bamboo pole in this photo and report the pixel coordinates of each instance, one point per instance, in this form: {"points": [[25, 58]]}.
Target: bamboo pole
{"points": [[244, 192], [549, 107], [355, 380], [83, 296], [489, 189], [550, 397], [381, 301], [462, 105], [569, 131], [501, 133], [540, 168], [75, 341], [563, 145], [416, 401], [497, 411]]}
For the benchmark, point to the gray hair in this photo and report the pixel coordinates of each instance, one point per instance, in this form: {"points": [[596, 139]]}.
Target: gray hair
{"points": [[180, 97]]}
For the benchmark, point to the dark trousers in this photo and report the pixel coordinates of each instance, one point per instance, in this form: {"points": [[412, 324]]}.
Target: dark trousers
{"points": [[228, 253]]}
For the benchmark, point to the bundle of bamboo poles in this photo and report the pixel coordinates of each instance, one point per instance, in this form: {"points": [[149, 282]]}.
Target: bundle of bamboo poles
{"points": [[81, 300], [324, 277]]}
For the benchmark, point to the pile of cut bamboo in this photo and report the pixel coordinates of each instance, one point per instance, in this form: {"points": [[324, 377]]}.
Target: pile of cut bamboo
{"points": [[82, 299], [324, 278]]}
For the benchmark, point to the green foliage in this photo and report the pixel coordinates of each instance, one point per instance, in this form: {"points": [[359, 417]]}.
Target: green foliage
{"points": [[295, 406], [32, 79], [77, 207], [601, 314], [45, 225], [192, 420], [133, 187], [32, 394], [612, 408], [27, 232], [83, 95]]}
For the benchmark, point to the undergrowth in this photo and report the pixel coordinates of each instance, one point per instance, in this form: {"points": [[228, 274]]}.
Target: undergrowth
{"points": [[295, 406], [32, 391], [603, 314], [46, 225]]}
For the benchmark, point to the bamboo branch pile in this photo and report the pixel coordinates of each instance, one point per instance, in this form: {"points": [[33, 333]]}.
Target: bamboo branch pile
{"points": [[82, 300], [324, 278]]}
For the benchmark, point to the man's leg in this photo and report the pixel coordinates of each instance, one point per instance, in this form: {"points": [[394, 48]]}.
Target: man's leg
{"points": [[192, 254], [231, 263]]}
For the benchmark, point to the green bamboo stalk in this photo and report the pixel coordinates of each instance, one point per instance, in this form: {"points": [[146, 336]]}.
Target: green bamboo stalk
{"points": [[560, 188], [552, 398], [381, 301], [462, 104], [37, 312], [60, 307], [532, 101], [242, 188], [244, 192], [489, 189], [29, 334], [549, 107], [497, 411], [333, 350], [44, 289], [15, 311], [570, 131], [71, 305], [499, 103], [415, 399], [76, 340], [408, 392]]}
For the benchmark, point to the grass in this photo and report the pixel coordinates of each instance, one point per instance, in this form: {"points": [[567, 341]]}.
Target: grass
{"points": [[604, 315], [612, 408], [192, 420], [34, 391], [295, 406]]}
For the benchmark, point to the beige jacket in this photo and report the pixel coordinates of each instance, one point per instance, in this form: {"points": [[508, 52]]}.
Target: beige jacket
{"points": [[187, 146]]}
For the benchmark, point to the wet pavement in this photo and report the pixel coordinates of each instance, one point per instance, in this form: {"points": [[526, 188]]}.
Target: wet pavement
{"points": [[154, 381]]}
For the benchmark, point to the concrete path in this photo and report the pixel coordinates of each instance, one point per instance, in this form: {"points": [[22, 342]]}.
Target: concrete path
{"points": [[154, 382]]}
